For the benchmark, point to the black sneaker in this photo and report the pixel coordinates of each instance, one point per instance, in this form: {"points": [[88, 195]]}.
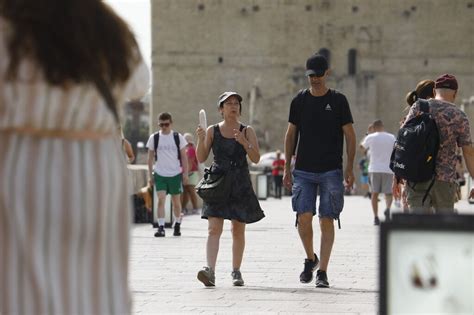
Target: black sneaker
{"points": [[376, 221], [309, 266], [177, 229], [237, 278], [160, 232], [322, 279], [387, 214]]}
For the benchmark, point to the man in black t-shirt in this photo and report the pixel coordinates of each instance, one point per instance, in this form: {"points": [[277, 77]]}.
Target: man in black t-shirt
{"points": [[319, 121]]}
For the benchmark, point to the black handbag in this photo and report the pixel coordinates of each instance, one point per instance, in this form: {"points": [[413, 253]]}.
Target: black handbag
{"points": [[215, 186]]}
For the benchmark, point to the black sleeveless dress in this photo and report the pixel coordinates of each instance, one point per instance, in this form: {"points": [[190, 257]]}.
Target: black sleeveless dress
{"points": [[242, 204]]}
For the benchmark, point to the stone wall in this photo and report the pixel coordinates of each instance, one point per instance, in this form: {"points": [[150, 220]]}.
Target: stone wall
{"points": [[201, 48]]}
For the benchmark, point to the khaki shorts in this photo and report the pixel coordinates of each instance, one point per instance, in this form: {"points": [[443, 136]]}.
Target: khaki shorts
{"points": [[440, 197], [381, 183]]}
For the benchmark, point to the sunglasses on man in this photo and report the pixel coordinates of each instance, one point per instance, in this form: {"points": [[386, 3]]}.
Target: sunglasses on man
{"points": [[167, 124], [316, 75]]}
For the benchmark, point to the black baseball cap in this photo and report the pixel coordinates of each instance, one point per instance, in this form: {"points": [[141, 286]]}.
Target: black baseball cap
{"points": [[317, 65]]}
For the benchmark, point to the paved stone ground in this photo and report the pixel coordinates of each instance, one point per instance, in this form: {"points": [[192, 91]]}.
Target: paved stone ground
{"points": [[163, 271]]}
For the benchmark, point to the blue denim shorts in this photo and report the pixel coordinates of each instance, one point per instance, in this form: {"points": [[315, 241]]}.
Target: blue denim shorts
{"points": [[329, 185]]}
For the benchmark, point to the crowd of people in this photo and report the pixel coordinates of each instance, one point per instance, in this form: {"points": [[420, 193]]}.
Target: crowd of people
{"points": [[312, 167], [62, 149], [438, 194]]}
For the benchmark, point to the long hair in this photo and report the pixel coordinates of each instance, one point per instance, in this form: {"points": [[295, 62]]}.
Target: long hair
{"points": [[423, 90], [78, 41]]}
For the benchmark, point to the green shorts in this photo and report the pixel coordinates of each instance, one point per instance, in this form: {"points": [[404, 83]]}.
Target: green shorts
{"points": [[440, 197], [172, 185]]}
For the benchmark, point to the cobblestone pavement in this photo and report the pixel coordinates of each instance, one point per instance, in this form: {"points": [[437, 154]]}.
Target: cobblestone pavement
{"points": [[163, 270]]}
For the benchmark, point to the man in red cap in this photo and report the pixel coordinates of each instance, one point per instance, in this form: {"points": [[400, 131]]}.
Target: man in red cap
{"points": [[454, 132]]}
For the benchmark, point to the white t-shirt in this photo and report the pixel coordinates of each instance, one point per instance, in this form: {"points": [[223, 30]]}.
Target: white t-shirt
{"points": [[380, 146], [167, 163]]}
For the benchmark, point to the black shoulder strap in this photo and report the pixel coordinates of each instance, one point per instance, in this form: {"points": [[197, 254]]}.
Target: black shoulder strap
{"points": [[156, 138], [424, 105], [301, 92], [333, 98], [176, 140], [299, 97], [333, 95], [242, 127]]}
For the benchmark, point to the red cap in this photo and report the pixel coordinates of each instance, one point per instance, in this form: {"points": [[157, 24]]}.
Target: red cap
{"points": [[446, 81]]}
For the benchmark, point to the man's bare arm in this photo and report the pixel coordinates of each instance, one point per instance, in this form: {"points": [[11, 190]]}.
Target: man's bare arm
{"points": [[350, 137], [468, 153], [150, 162]]}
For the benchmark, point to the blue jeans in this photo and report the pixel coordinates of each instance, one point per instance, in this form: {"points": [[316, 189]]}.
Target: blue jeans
{"points": [[331, 193]]}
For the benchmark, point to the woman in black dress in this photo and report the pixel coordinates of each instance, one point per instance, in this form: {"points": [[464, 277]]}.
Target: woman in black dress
{"points": [[231, 142]]}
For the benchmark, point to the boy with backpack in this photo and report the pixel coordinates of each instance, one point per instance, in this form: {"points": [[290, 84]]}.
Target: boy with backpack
{"points": [[167, 170], [425, 151]]}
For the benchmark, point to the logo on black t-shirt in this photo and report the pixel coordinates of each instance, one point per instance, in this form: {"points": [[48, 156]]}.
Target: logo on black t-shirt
{"points": [[319, 121]]}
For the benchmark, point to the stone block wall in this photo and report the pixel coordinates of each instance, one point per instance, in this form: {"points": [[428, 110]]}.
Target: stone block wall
{"points": [[202, 48]]}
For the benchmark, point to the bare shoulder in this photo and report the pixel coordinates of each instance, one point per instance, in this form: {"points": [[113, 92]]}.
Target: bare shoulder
{"points": [[250, 128], [249, 131], [210, 132], [210, 129]]}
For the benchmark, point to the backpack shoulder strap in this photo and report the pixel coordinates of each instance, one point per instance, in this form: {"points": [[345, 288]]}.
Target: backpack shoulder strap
{"points": [[176, 140], [424, 105], [299, 98], [156, 139], [332, 95]]}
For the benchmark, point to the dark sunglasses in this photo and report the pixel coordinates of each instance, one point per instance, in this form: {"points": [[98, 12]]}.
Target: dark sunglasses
{"points": [[164, 124]]}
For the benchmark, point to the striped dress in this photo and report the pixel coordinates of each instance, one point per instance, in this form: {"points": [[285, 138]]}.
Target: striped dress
{"points": [[64, 201]]}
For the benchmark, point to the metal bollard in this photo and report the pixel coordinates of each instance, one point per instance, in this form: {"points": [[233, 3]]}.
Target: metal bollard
{"points": [[469, 186], [262, 186]]}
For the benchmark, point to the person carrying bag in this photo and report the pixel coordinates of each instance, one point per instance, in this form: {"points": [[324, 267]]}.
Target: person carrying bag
{"points": [[226, 188], [215, 186]]}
